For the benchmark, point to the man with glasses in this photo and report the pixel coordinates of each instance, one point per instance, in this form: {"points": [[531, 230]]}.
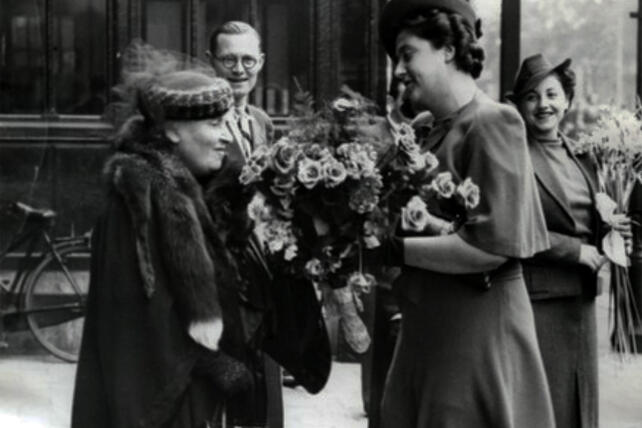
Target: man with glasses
{"points": [[235, 53]]}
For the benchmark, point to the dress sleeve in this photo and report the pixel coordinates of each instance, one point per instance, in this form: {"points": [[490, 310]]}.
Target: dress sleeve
{"points": [[564, 248], [509, 220]]}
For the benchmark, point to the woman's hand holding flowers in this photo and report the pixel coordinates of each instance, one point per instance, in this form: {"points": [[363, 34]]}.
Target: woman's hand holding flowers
{"points": [[591, 257], [621, 223]]}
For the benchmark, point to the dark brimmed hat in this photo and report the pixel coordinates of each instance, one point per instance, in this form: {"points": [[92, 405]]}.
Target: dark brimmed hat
{"points": [[186, 95], [531, 72], [395, 12]]}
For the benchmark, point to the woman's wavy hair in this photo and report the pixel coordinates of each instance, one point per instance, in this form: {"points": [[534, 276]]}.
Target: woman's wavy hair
{"points": [[443, 28], [567, 78]]}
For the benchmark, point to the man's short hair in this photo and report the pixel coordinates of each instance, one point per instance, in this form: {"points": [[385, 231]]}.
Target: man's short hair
{"points": [[231, 27]]}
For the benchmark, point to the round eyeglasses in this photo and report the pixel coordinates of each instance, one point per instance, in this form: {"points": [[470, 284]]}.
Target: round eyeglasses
{"points": [[229, 61]]}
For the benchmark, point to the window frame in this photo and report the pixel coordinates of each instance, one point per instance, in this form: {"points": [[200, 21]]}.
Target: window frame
{"points": [[50, 125]]}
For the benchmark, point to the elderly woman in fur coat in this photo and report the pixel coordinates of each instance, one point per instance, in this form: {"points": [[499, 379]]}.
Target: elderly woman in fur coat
{"points": [[165, 341]]}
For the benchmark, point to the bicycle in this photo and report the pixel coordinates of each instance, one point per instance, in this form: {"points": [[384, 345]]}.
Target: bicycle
{"points": [[48, 290]]}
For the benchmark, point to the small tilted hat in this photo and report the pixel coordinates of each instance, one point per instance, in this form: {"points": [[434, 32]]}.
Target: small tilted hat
{"points": [[396, 12], [187, 95], [532, 71]]}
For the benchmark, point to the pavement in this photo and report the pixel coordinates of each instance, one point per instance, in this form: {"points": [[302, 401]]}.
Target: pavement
{"points": [[36, 392]]}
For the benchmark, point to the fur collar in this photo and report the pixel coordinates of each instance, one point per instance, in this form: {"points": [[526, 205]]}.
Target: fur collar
{"points": [[161, 193]]}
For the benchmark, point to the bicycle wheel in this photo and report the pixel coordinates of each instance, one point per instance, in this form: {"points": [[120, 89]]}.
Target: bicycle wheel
{"points": [[54, 302]]}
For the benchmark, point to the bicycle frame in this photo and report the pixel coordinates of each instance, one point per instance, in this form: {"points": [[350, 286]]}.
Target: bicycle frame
{"points": [[45, 291], [30, 237], [35, 232]]}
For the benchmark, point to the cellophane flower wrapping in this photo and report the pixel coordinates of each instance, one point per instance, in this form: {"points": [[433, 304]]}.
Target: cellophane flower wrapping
{"points": [[341, 182], [616, 146]]}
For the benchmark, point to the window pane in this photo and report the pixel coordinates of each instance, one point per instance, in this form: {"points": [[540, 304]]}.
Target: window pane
{"points": [[278, 75], [22, 56], [79, 53], [354, 27], [599, 36], [489, 11], [165, 24], [285, 30]]}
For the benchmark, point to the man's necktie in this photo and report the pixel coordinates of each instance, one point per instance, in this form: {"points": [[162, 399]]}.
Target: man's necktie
{"points": [[245, 127]]}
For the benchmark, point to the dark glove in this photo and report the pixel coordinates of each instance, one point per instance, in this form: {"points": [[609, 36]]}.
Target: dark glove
{"points": [[389, 253], [394, 251], [228, 374]]}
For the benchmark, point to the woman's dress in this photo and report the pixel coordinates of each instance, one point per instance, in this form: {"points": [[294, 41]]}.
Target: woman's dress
{"points": [[467, 354]]}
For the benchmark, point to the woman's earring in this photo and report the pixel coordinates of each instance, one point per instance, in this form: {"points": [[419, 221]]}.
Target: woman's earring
{"points": [[172, 136]]}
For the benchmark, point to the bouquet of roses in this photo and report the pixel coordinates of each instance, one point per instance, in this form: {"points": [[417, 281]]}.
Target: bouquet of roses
{"points": [[412, 183], [335, 186], [616, 145]]}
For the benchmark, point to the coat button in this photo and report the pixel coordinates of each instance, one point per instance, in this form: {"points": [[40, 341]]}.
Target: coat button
{"points": [[487, 280]]}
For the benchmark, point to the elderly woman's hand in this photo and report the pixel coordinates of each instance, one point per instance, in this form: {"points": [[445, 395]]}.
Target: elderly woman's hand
{"points": [[622, 223], [207, 333], [591, 257]]}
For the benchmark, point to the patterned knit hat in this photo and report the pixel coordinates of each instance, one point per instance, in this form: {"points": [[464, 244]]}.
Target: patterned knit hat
{"points": [[185, 95]]}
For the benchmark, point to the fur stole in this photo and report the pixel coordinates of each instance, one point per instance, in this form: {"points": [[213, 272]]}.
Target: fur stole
{"points": [[166, 203], [159, 190]]}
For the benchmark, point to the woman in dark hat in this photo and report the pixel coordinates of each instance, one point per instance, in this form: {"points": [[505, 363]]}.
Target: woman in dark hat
{"points": [[467, 354], [164, 344], [562, 281]]}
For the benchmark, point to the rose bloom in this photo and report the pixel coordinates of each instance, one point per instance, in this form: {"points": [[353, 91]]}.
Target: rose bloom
{"points": [[469, 193], [278, 235], [406, 131], [370, 239], [274, 241], [257, 210], [353, 170], [431, 161], [358, 159], [414, 216], [314, 267], [310, 172], [361, 282], [348, 150], [290, 252], [317, 152], [251, 173], [416, 161], [283, 185], [334, 172], [372, 181], [407, 144], [344, 104], [366, 164], [261, 157], [364, 199], [284, 155], [443, 184]]}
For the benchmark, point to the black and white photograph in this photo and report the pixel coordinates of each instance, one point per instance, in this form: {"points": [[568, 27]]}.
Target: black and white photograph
{"points": [[321, 213]]}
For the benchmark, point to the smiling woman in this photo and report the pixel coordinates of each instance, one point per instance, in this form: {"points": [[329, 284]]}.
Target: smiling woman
{"points": [[201, 144], [157, 306], [562, 281], [467, 326]]}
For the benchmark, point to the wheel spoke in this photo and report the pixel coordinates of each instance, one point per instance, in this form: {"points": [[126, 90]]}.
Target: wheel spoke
{"points": [[54, 303]]}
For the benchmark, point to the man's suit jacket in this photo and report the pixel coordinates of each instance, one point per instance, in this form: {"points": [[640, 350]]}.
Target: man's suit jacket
{"points": [[556, 272]]}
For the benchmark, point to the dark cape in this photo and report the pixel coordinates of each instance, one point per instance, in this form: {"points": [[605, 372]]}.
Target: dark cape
{"points": [[162, 258], [158, 264]]}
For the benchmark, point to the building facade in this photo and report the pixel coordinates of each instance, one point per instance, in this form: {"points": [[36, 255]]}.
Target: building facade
{"points": [[59, 59]]}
